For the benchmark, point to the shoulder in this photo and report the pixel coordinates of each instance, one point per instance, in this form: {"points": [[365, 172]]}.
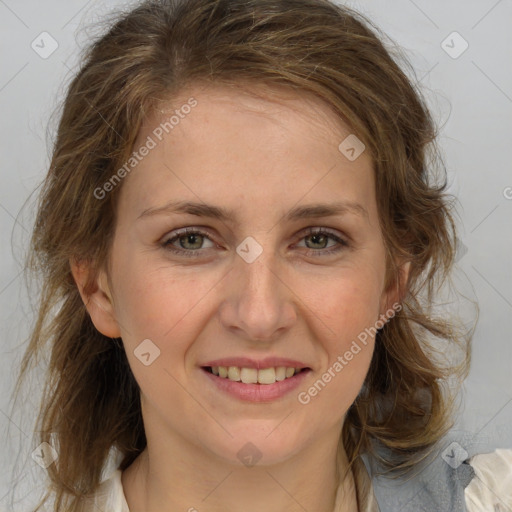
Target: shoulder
{"points": [[491, 486], [473, 481]]}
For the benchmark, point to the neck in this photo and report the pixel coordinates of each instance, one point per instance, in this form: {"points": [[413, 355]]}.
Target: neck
{"points": [[184, 477]]}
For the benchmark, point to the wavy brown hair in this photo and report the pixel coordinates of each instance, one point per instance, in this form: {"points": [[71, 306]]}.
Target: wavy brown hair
{"points": [[154, 52]]}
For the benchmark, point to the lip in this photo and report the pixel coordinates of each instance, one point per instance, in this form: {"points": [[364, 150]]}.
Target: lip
{"points": [[247, 362], [256, 392]]}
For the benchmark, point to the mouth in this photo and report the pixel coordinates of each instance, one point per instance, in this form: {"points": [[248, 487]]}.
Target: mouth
{"points": [[257, 385], [262, 376]]}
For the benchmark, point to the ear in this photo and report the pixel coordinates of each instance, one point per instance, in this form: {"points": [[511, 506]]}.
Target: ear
{"points": [[97, 297], [396, 288]]}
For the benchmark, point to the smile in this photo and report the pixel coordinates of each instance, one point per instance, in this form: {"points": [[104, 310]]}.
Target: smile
{"points": [[255, 385], [253, 375]]}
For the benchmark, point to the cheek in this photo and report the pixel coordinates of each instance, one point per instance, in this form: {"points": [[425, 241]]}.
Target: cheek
{"points": [[350, 309], [167, 310], [351, 315], [153, 304], [348, 302], [151, 301]]}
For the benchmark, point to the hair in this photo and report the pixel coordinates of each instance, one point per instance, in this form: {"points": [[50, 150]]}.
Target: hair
{"points": [[152, 53]]}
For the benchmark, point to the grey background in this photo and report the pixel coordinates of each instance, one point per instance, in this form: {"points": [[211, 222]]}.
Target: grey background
{"points": [[470, 96]]}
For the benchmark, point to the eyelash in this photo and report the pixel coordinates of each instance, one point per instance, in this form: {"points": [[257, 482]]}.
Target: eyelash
{"points": [[197, 252]]}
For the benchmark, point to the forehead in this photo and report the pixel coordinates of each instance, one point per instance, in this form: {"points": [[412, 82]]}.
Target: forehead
{"points": [[237, 143], [256, 99]]}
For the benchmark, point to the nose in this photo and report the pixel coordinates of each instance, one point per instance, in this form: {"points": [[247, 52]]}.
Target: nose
{"points": [[259, 304]]}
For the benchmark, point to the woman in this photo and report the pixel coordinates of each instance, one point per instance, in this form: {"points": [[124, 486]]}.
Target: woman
{"points": [[205, 148]]}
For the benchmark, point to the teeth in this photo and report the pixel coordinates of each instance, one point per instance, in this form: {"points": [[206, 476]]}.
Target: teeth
{"points": [[249, 375], [280, 373], [253, 375], [267, 376], [234, 373]]}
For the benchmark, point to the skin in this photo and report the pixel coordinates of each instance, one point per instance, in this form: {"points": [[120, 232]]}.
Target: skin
{"points": [[260, 158]]}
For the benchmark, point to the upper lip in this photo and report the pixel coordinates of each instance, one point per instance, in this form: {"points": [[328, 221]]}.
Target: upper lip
{"points": [[247, 362]]}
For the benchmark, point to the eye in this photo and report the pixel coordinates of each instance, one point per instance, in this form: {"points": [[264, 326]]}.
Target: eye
{"points": [[190, 242], [189, 239], [320, 236]]}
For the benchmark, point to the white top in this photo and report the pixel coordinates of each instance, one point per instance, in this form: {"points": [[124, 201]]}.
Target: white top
{"points": [[490, 490]]}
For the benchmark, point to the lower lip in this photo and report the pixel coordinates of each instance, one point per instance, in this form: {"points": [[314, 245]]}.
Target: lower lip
{"points": [[257, 392]]}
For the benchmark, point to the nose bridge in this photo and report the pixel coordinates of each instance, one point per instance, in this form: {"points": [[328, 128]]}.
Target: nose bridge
{"points": [[262, 283], [259, 302]]}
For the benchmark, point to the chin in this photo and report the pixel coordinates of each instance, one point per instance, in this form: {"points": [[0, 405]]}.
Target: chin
{"points": [[257, 446]]}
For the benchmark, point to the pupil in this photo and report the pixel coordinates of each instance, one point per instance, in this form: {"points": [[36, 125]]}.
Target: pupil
{"points": [[316, 237], [190, 238]]}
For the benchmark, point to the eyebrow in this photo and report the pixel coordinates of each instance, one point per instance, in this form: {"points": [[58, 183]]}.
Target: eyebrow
{"points": [[222, 214]]}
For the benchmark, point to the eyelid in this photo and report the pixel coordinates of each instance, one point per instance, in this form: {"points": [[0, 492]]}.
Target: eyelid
{"points": [[320, 229], [194, 230]]}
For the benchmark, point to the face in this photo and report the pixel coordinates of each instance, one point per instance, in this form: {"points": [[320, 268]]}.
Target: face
{"points": [[272, 279]]}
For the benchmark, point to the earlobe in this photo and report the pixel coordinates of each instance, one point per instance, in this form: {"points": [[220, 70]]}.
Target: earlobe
{"points": [[396, 291], [96, 296]]}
